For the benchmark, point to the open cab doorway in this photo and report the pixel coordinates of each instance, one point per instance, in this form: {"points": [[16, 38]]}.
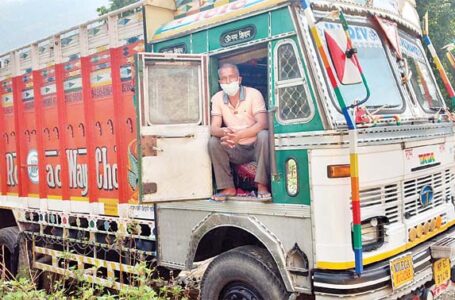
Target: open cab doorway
{"points": [[175, 123], [252, 63]]}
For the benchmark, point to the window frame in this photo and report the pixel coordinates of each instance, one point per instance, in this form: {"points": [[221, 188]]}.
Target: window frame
{"points": [[147, 64], [279, 84]]}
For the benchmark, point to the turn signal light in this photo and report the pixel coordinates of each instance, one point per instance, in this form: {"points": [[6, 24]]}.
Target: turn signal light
{"points": [[412, 234], [438, 222], [426, 228], [422, 229], [419, 231], [433, 224], [338, 171]]}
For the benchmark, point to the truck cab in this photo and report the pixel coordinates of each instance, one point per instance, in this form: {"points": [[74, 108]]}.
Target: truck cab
{"points": [[405, 145], [106, 125]]}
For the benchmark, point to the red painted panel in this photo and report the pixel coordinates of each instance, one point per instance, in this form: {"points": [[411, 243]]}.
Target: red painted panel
{"points": [[39, 121], [51, 133], [9, 137], [128, 118], [61, 130], [27, 134], [89, 118], [75, 131], [119, 125], [105, 146], [18, 112], [3, 132], [80, 121]]}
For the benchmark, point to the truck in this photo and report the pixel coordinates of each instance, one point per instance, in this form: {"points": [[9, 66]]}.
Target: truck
{"points": [[104, 160]]}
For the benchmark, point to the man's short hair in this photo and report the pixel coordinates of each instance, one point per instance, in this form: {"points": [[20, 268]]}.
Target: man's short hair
{"points": [[228, 66]]}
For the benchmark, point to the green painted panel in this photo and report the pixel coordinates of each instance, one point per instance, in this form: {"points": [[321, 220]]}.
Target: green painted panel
{"points": [[213, 76], [281, 21], [260, 23], [199, 42], [315, 123], [280, 194], [174, 43]]}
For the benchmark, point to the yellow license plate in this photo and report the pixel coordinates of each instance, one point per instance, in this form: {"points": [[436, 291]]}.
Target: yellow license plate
{"points": [[401, 271], [441, 271]]}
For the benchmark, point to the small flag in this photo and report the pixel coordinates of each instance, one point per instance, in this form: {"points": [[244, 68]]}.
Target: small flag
{"points": [[391, 32]]}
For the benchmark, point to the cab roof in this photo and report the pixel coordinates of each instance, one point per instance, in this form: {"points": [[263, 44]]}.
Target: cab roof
{"points": [[193, 15]]}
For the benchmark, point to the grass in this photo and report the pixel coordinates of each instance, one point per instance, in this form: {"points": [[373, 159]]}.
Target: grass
{"points": [[147, 286]]}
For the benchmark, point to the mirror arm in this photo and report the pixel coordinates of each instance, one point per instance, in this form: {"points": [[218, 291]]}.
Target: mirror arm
{"points": [[366, 97], [350, 53]]}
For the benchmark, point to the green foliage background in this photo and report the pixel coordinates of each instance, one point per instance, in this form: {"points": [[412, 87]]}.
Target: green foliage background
{"points": [[113, 5], [441, 23]]}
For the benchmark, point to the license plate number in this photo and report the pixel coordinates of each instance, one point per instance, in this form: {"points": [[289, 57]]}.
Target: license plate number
{"points": [[401, 271], [441, 271]]}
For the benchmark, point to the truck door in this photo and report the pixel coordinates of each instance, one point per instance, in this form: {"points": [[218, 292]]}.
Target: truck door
{"points": [[174, 129]]}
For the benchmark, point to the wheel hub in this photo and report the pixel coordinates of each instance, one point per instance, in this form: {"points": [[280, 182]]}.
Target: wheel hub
{"points": [[239, 291]]}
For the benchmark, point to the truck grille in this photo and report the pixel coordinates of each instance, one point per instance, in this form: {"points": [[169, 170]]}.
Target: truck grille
{"points": [[440, 183], [385, 197]]}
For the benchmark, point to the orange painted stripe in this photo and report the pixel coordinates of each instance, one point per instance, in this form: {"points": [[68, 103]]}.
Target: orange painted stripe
{"points": [[355, 188]]}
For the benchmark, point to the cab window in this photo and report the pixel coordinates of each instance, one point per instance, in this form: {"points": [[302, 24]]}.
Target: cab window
{"points": [[422, 82], [291, 87], [173, 93]]}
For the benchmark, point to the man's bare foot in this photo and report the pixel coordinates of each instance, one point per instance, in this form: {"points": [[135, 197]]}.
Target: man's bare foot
{"points": [[262, 188], [229, 191]]}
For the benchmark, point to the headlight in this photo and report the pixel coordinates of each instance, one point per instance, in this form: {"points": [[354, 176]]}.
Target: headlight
{"points": [[373, 233]]}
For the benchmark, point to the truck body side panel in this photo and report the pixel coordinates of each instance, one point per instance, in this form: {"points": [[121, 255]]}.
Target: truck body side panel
{"points": [[68, 119]]}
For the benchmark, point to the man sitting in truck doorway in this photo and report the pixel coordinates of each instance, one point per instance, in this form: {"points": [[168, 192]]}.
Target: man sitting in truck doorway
{"points": [[239, 133]]}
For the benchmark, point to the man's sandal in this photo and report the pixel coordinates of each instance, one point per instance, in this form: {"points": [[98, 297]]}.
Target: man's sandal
{"points": [[264, 196], [220, 197]]}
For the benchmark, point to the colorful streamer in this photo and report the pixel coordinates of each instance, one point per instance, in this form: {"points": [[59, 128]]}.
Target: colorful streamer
{"points": [[451, 59], [354, 161], [437, 62]]}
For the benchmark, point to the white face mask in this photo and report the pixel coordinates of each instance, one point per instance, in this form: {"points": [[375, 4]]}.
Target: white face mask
{"points": [[230, 88]]}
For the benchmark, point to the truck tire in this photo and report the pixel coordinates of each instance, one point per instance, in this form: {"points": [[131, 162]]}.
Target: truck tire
{"points": [[246, 272], [8, 248]]}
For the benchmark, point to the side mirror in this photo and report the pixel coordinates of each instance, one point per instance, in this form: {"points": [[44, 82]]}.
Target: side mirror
{"points": [[342, 55]]}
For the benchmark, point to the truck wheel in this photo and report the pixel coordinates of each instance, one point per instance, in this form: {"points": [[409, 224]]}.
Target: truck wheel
{"points": [[246, 272], [8, 249]]}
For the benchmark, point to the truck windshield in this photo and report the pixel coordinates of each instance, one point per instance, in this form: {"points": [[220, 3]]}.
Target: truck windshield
{"points": [[421, 81], [376, 67]]}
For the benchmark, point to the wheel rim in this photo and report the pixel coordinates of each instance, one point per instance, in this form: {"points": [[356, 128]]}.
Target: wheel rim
{"points": [[239, 291]]}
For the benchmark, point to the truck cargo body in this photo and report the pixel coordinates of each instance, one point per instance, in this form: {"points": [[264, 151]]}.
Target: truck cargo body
{"points": [[68, 104]]}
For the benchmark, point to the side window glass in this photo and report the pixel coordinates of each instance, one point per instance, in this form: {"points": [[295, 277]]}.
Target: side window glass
{"points": [[292, 94], [422, 83], [287, 63], [174, 93]]}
